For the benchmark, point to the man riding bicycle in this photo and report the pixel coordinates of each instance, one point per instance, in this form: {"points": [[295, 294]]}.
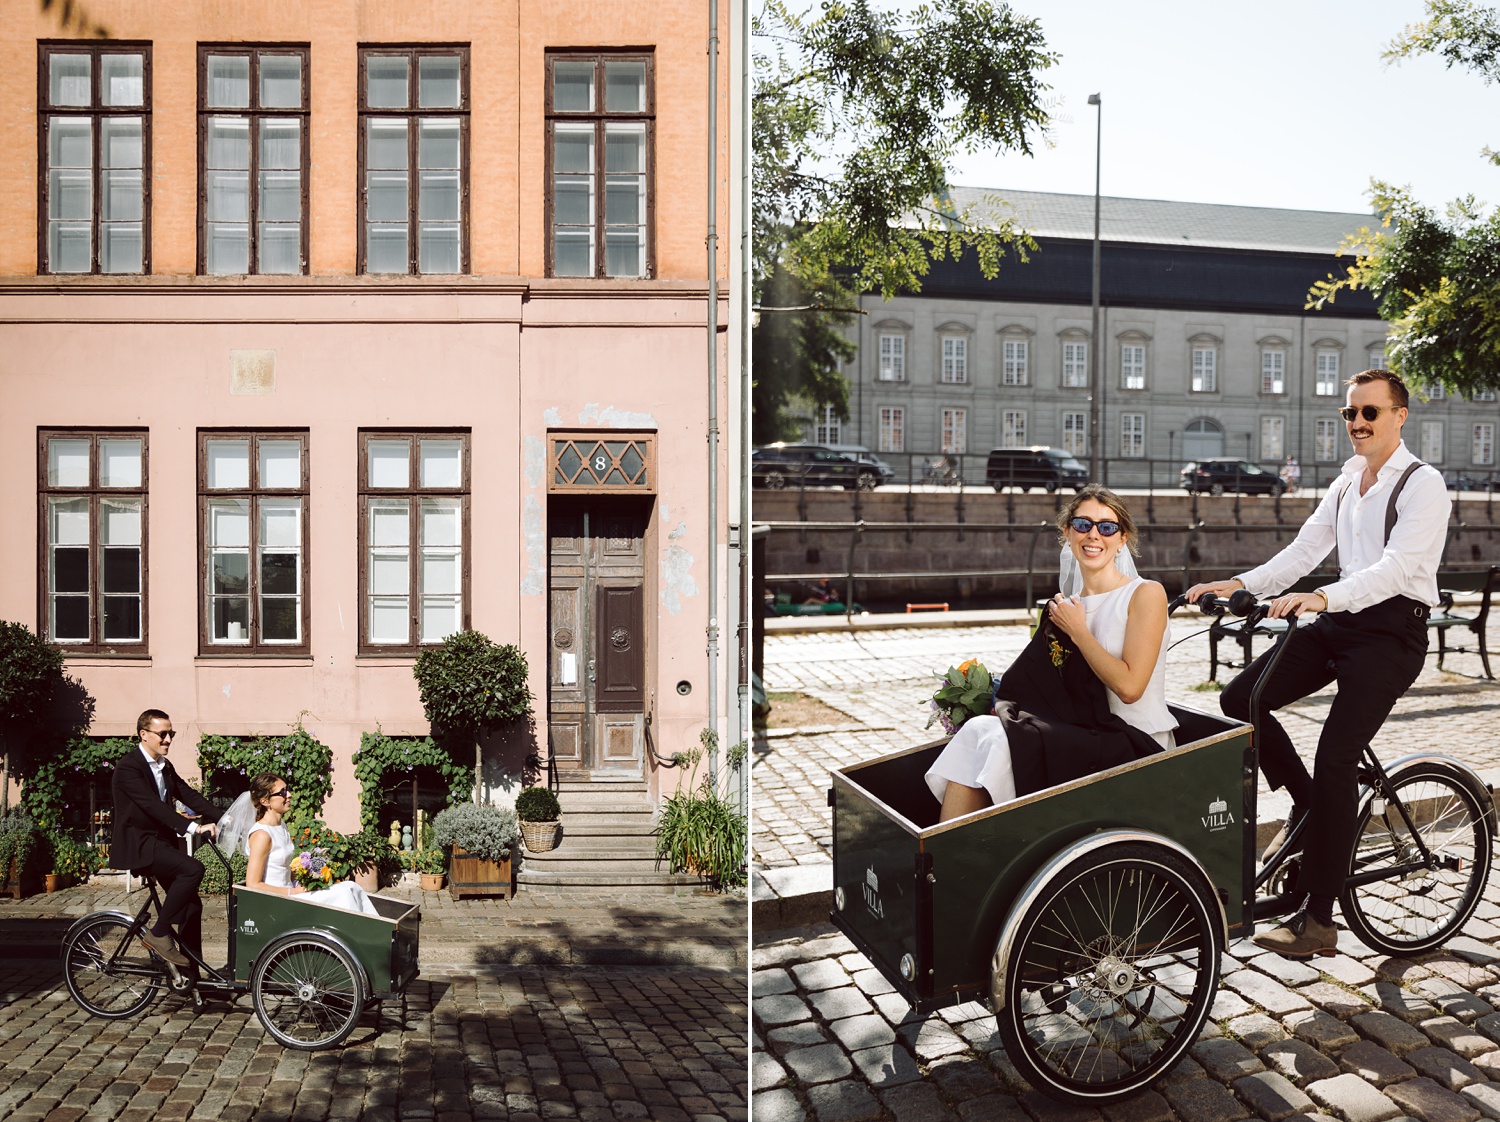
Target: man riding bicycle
{"points": [[1387, 516]]}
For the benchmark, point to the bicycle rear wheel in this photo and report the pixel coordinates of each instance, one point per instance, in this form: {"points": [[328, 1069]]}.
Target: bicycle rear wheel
{"points": [[104, 982], [1419, 909]]}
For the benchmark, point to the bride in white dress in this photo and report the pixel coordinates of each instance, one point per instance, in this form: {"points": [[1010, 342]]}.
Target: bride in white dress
{"points": [[269, 847], [1118, 620]]}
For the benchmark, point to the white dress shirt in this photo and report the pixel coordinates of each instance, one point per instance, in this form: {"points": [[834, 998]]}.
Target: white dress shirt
{"points": [[158, 770], [1370, 569]]}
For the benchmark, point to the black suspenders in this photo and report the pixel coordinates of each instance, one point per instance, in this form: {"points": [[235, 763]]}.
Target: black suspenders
{"points": [[1390, 510]]}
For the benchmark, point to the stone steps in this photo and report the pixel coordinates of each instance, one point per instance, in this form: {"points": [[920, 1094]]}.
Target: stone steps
{"points": [[606, 841]]}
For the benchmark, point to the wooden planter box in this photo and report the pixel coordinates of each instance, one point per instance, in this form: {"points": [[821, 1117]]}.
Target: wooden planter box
{"points": [[473, 876], [15, 885]]}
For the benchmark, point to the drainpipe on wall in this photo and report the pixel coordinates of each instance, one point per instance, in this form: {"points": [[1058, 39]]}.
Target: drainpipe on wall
{"points": [[712, 241], [748, 610]]}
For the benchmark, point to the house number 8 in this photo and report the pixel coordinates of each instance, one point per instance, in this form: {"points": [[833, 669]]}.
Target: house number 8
{"points": [[600, 464]]}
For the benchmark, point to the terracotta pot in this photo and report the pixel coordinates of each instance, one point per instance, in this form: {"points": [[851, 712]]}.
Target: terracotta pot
{"points": [[54, 881], [367, 878], [432, 882]]}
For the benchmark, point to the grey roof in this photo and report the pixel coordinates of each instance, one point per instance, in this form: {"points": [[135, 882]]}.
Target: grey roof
{"points": [[1159, 222]]}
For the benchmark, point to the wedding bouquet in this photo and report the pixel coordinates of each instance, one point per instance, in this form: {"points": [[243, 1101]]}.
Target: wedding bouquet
{"points": [[967, 690], [311, 869]]}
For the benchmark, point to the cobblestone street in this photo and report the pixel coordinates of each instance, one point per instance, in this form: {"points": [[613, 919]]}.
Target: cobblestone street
{"points": [[591, 1043]]}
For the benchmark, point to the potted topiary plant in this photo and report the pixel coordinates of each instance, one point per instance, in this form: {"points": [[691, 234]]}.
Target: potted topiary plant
{"points": [[539, 812], [481, 837], [430, 864], [472, 683]]}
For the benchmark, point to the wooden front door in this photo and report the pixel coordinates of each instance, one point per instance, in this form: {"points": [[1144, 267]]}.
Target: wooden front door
{"points": [[597, 637]]}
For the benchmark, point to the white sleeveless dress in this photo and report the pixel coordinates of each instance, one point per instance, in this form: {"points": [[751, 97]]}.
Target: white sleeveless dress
{"points": [[979, 756], [345, 894]]}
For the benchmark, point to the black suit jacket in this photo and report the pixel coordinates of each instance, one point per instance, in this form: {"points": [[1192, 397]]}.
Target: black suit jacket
{"points": [[1057, 719], [141, 818]]}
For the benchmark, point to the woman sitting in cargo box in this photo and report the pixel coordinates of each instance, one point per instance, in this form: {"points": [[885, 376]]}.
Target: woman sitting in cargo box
{"points": [[1089, 691]]}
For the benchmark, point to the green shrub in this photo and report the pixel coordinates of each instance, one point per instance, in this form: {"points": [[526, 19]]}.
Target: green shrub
{"points": [[538, 804], [424, 860], [383, 762], [700, 830], [229, 763], [74, 859], [488, 832], [471, 682], [215, 881], [20, 841]]}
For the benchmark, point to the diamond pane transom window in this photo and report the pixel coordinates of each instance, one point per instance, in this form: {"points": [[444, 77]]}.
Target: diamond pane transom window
{"points": [[588, 462]]}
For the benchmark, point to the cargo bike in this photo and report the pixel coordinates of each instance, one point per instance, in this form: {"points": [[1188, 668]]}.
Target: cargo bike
{"points": [[311, 969], [1089, 917]]}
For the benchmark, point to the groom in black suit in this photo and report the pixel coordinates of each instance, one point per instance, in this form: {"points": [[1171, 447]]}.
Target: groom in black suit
{"points": [[147, 827]]}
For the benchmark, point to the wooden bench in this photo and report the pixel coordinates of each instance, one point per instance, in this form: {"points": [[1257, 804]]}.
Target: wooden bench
{"points": [[1444, 618]]}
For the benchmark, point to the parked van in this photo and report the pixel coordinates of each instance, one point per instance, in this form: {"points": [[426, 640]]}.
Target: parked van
{"points": [[1047, 468]]}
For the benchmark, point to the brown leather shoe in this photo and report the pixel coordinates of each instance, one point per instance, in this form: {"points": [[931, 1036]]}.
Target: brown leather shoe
{"points": [[164, 946], [1293, 817], [1300, 937]]}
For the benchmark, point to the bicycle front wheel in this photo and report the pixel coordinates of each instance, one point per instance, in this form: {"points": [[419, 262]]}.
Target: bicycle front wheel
{"points": [[106, 975], [1423, 902]]}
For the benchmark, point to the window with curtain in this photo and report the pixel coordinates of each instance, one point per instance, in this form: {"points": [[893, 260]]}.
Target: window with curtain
{"points": [[892, 435], [1132, 366], [1326, 378], [1432, 442], [955, 359], [1272, 370], [414, 535], [1133, 434], [1013, 362], [413, 159], [600, 127], [955, 431], [252, 160], [1326, 441], [252, 508], [1272, 438], [1075, 367], [1013, 428], [892, 358], [1075, 440], [1205, 370], [95, 110]]}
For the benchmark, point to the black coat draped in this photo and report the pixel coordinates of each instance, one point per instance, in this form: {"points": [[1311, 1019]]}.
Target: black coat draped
{"points": [[1057, 718]]}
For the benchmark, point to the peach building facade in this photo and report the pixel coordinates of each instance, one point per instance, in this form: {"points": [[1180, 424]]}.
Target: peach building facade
{"points": [[332, 327]]}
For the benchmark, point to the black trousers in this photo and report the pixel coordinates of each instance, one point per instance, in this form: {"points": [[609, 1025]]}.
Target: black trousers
{"points": [[1374, 655], [182, 907]]}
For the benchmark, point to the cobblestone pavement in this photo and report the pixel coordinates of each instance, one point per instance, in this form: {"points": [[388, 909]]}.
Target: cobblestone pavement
{"points": [[597, 1044], [883, 679]]}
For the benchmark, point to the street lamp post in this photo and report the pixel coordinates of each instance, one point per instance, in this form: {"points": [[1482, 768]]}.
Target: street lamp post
{"points": [[1094, 345]]}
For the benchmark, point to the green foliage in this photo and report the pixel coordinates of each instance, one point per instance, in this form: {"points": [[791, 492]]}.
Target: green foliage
{"points": [[538, 804], [700, 830], [858, 115], [229, 763], [21, 841], [1435, 277], [486, 831], [966, 690], [216, 882], [384, 762], [424, 860], [470, 683], [74, 859], [30, 669], [46, 793]]}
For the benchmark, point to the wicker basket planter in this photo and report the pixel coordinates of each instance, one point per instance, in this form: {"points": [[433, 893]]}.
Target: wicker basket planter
{"points": [[474, 876], [540, 836]]}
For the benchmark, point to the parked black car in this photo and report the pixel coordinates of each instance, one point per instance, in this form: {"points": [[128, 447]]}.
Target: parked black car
{"points": [[810, 465], [1218, 476], [1047, 468]]}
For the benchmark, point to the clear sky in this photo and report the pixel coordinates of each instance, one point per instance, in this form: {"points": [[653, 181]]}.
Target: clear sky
{"points": [[1282, 103]]}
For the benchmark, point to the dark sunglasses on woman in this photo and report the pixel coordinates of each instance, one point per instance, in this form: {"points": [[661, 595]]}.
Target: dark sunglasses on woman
{"points": [[1083, 525]]}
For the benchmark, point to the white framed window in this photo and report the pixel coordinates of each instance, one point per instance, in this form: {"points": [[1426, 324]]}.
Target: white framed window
{"points": [[955, 431], [1272, 370], [1133, 434], [892, 434], [1075, 368], [1435, 391], [1484, 395], [1075, 427], [955, 360], [1272, 438], [1326, 383], [1377, 359], [1483, 452], [1132, 366], [1013, 428], [1205, 370], [1432, 442], [1326, 441], [892, 358], [1013, 369], [829, 429]]}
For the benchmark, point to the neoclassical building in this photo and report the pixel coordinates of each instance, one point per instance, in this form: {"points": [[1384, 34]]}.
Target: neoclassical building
{"points": [[1207, 346]]}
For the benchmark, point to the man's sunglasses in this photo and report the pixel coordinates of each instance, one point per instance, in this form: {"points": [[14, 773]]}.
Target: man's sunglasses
{"points": [[168, 735], [1368, 412], [1106, 528]]}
